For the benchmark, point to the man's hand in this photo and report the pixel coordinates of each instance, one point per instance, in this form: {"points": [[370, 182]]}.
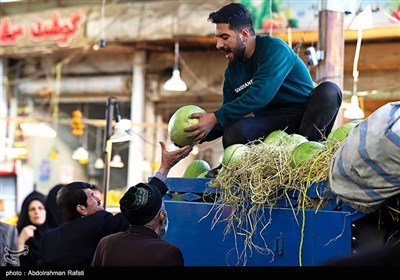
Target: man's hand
{"points": [[169, 159], [206, 123]]}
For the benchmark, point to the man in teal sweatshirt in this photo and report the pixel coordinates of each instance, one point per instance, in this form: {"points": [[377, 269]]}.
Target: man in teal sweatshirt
{"points": [[267, 87]]}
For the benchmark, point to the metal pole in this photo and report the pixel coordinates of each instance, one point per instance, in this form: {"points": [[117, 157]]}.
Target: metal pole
{"points": [[111, 101]]}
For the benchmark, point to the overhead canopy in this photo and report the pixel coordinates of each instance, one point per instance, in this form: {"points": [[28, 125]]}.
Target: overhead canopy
{"points": [[81, 26]]}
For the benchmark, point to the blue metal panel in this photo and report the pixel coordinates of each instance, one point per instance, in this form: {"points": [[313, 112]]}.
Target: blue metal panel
{"points": [[194, 185], [326, 235]]}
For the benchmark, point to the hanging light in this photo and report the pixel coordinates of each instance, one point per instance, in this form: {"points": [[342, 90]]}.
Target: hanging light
{"points": [[99, 163], [360, 22], [122, 131], [354, 111], [363, 20], [117, 161], [38, 129], [80, 154], [175, 83]]}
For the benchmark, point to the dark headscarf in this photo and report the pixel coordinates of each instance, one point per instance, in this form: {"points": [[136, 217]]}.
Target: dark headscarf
{"points": [[33, 258], [54, 216]]}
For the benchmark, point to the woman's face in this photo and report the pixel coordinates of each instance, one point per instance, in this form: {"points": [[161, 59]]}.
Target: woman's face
{"points": [[36, 213]]}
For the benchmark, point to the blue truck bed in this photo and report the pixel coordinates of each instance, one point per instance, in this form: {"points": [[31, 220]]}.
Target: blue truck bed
{"points": [[325, 235]]}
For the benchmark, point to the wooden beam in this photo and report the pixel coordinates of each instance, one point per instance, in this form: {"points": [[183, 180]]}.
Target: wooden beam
{"points": [[373, 56], [373, 80], [379, 33]]}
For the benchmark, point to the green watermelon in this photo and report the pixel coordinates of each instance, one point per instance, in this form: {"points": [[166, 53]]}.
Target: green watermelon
{"points": [[195, 168], [295, 139], [340, 133], [180, 120], [203, 175], [306, 151], [233, 153], [276, 137]]}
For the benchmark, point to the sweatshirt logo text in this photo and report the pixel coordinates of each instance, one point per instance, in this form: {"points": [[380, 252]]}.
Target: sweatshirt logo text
{"points": [[245, 85]]}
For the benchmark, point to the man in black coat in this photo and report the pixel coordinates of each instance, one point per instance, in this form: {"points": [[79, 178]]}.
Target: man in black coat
{"points": [[74, 243]]}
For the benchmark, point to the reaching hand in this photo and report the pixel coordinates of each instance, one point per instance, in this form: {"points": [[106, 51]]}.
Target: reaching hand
{"points": [[169, 159]]}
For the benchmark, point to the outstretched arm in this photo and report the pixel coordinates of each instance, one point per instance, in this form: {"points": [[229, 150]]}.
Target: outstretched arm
{"points": [[170, 159]]}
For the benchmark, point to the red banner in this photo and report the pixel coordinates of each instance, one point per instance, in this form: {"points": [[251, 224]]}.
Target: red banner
{"points": [[56, 29]]}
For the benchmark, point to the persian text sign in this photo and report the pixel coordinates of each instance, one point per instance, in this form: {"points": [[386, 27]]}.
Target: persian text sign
{"points": [[61, 31]]}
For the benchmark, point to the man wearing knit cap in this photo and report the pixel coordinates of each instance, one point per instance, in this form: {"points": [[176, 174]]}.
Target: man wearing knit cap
{"points": [[141, 244]]}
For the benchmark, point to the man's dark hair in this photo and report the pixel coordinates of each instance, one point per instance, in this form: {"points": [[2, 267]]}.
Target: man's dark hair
{"points": [[94, 187], [69, 197], [234, 14]]}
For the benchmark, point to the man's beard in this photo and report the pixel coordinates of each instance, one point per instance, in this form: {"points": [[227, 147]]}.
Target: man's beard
{"points": [[164, 226], [238, 52]]}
